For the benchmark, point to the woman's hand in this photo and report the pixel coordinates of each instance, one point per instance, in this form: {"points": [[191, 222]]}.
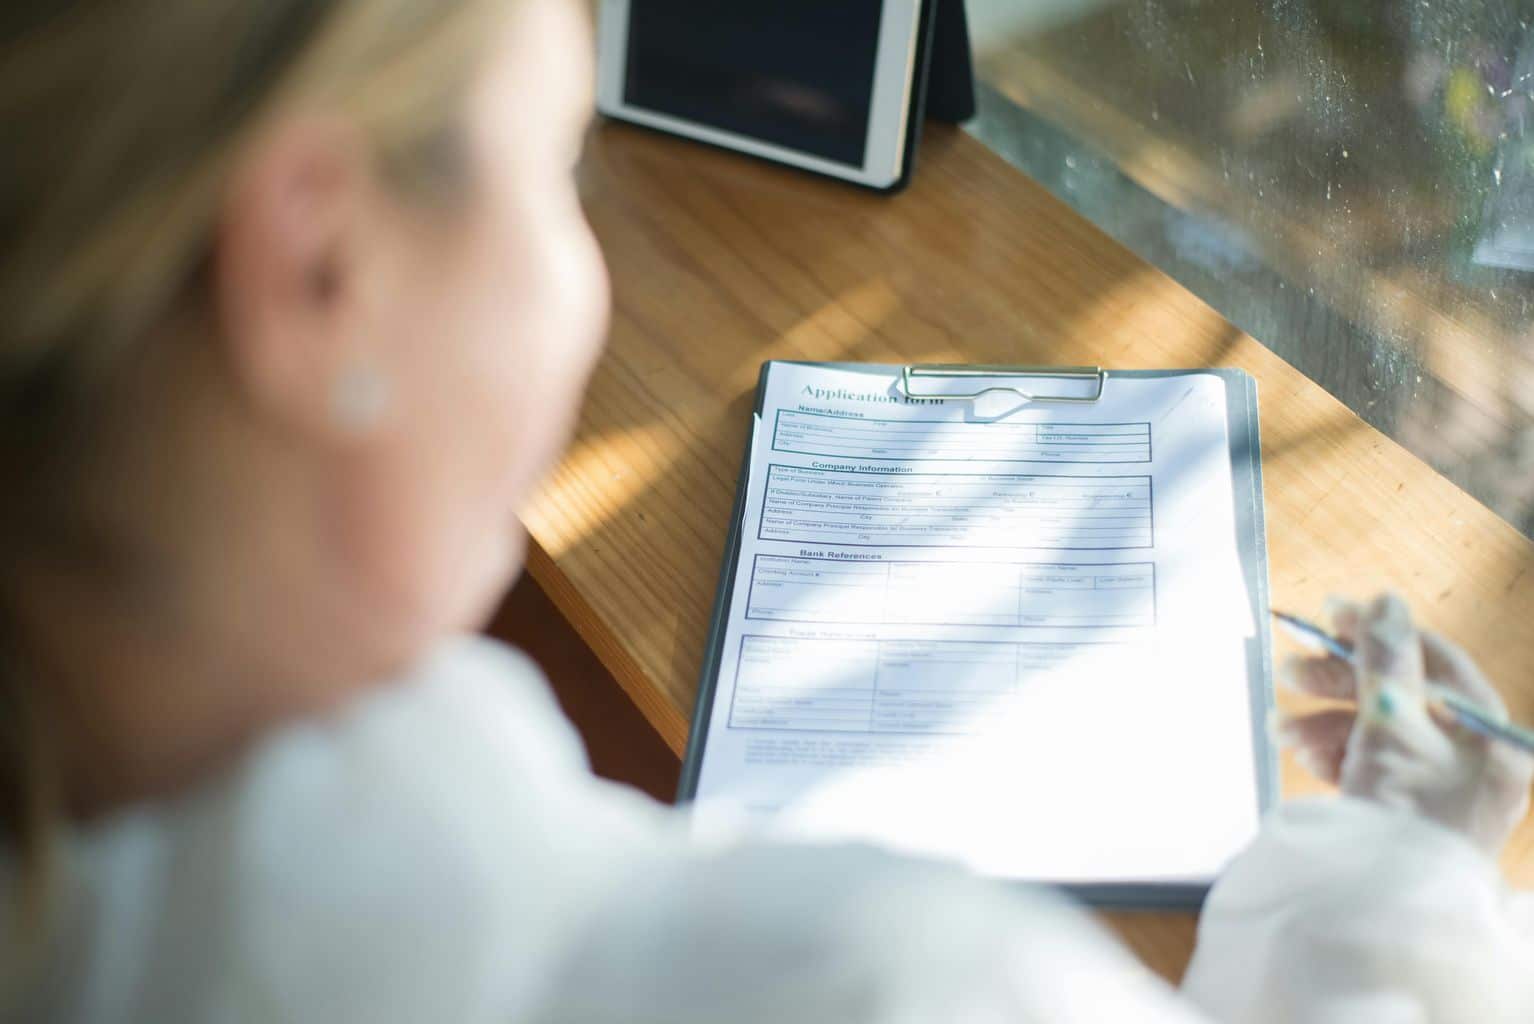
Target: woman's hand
{"points": [[1392, 747]]}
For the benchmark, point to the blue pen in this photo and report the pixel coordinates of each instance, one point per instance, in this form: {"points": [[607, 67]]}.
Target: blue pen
{"points": [[1464, 710], [1313, 636]]}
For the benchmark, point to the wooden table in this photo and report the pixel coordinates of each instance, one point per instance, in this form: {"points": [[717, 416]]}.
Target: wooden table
{"points": [[720, 262]]}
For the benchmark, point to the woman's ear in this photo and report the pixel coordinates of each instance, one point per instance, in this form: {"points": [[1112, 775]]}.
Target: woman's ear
{"points": [[291, 276]]}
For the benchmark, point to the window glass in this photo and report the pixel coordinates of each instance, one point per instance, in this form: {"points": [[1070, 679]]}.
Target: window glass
{"points": [[1350, 181]]}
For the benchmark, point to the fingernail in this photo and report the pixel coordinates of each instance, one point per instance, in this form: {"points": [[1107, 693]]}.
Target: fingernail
{"points": [[1289, 671], [1384, 707], [1388, 702], [1307, 761]]}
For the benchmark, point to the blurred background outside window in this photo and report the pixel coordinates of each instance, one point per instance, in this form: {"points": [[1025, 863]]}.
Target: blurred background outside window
{"points": [[1349, 181]]}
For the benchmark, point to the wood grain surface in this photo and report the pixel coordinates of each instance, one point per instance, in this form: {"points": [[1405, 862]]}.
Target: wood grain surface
{"points": [[719, 262]]}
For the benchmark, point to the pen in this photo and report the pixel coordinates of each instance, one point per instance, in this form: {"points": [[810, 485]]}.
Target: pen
{"points": [[1464, 710]]}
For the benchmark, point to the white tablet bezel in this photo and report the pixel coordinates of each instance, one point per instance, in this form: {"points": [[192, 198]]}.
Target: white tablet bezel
{"points": [[888, 115]]}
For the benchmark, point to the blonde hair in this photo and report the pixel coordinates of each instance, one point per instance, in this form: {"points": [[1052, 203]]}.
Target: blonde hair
{"points": [[122, 121]]}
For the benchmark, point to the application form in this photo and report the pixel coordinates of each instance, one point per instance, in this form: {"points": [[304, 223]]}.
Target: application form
{"points": [[1014, 640]]}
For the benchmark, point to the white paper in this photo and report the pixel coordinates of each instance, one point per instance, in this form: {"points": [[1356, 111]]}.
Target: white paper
{"points": [[1015, 641]]}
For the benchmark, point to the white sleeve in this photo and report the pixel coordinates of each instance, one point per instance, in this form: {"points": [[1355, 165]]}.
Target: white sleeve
{"points": [[761, 933], [458, 862], [1344, 910]]}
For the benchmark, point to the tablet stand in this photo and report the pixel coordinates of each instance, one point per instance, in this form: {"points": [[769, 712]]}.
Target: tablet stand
{"points": [[951, 68]]}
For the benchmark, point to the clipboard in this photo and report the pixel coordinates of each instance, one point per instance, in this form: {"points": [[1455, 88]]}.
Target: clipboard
{"points": [[1055, 385]]}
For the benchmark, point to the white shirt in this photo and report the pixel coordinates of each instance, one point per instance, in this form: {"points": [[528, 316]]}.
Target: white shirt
{"points": [[440, 852]]}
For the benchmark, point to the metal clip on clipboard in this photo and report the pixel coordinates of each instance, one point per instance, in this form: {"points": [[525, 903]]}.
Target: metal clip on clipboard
{"points": [[915, 372]]}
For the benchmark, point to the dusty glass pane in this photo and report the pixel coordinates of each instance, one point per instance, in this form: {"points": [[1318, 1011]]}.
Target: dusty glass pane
{"points": [[1351, 182]]}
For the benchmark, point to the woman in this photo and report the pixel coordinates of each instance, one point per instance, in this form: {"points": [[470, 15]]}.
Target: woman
{"points": [[298, 304]]}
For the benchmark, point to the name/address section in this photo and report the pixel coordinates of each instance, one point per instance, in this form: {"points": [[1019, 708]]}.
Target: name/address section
{"points": [[813, 433], [1053, 512], [785, 588]]}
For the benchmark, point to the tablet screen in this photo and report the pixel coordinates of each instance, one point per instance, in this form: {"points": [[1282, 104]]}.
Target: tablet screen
{"points": [[797, 73]]}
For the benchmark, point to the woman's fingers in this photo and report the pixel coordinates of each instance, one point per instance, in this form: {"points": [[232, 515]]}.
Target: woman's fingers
{"points": [[1322, 676], [1319, 740], [1343, 615], [1388, 650], [1396, 745]]}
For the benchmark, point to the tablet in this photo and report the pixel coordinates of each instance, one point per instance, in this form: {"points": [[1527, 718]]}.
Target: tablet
{"points": [[831, 88]]}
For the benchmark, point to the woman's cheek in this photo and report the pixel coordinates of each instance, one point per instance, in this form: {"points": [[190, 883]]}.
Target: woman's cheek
{"points": [[575, 296], [544, 313], [598, 286]]}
